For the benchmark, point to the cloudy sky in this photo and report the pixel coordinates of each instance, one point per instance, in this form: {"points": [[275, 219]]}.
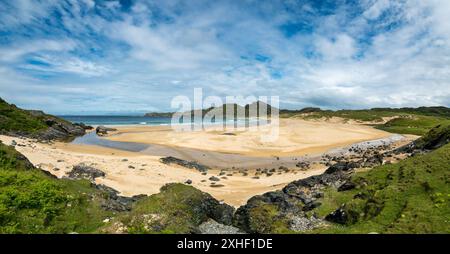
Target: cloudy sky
{"points": [[86, 56]]}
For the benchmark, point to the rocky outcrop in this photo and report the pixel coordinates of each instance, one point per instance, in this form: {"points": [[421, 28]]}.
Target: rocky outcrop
{"points": [[84, 126], [112, 201], [102, 130], [434, 139], [177, 208], [216, 210], [342, 216], [184, 163], [36, 124], [83, 171], [290, 205]]}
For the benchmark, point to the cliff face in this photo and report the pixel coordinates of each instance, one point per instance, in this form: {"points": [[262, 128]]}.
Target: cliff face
{"points": [[36, 124]]}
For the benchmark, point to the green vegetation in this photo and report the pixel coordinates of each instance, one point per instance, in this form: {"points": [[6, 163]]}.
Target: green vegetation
{"points": [[266, 218], [412, 196], [358, 115], [417, 121], [435, 138], [177, 208], [15, 119], [34, 202], [416, 125]]}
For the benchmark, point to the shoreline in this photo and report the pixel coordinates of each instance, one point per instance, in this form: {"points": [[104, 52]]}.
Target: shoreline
{"points": [[133, 173]]}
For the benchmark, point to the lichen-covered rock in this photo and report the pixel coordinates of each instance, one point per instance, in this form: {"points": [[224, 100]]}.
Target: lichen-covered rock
{"points": [[83, 171]]}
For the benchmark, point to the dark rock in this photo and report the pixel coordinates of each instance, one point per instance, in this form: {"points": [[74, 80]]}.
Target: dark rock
{"points": [[341, 166], [59, 129], [102, 130], [85, 127], [342, 216], [215, 210], [213, 178], [112, 201], [229, 134], [311, 205], [283, 168], [373, 161], [347, 186], [188, 181], [82, 171], [184, 163], [217, 185], [303, 165], [318, 195]]}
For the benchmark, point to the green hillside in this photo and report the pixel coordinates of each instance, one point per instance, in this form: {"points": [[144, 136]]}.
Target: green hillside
{"points": [[36, 124], [15, 119], [412, 196], [34, 202]]}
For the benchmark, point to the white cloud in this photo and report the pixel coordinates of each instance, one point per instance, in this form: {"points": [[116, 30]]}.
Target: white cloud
{"points": [[11, 54], [377, 8], [155, 51], [343, 46]]}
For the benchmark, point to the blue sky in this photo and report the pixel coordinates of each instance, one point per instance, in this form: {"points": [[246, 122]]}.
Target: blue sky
{"points": [[90, 57]]}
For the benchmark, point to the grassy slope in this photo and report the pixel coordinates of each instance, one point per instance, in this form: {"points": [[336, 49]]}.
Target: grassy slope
{"points": [[33, 202], [412, 196], [417, 121], [16, 119], [416, 125]]}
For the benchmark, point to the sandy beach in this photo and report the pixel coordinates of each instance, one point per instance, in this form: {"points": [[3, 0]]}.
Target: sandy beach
{"points": [[296, 137], [134, 173]]}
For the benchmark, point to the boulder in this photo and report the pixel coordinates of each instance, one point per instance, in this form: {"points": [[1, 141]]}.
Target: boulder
{"points": [[341, 166], [347, 186], [83, 171], [85, 127], [184, 163], [342, 216], [102, 130], [113, 201], [214, 179]]}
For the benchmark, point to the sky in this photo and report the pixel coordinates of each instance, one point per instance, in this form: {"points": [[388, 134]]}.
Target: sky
{"points": [[97, 57]]}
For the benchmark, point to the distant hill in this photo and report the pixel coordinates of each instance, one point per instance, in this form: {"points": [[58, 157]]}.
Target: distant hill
{"points": [[159, 114], [251, 110], [371, 114]]}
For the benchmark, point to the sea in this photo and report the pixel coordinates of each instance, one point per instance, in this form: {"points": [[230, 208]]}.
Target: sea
{"points": [[142, 120], [118, 120]]}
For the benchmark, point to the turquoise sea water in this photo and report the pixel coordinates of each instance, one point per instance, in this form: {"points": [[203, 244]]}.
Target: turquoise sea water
{"points": [[118, 120], [142, 120]]}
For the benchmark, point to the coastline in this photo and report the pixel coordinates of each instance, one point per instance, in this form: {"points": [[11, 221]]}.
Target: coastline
{"points": [[134, 173]]}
